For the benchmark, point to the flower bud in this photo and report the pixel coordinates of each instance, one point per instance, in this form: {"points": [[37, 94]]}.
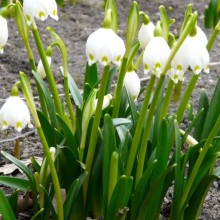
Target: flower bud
{"points": [[132, 84], [3, 33]]}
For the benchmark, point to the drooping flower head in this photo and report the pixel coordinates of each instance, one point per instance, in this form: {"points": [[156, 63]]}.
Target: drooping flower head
{"points": [[104, 46], [132, 84], [156, 55], [14, 113], [3, 33], [146, 32], [193, 54], [39, 9], [40, 67]]}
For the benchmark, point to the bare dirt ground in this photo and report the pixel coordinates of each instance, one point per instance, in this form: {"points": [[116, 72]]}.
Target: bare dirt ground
{"points": [[77, 21]]}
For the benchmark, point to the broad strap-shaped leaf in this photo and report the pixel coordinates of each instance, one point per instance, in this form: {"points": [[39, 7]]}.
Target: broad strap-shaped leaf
{"points": [[141, 190], [48, 98], [203, 106], [49, 132], [91, 78], [74, 90], [213, 112], [72, 195], [109, 146], [70, 138], [19, 164], [144, 208], [5, 208], [120, 197], [15, 182]]}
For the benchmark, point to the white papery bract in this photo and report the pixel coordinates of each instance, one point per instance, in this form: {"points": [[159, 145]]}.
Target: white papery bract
{"points": [[145, 34], [105, 47], [156, 55], [14, 113], [40, 67], [132, 84], [3, 33], [39, 9]]}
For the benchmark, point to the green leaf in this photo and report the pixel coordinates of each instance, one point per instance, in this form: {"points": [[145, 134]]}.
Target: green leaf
{"points": [[70, 138], [35, 164], [120, 121], [109, 146], [144, 208], [212, 14], [14, 182], [91, 78], [13, 201], [19, 164], [49, 132], [134, 112], [161, 156], [5, 208], [177, 179], [65, 158], [213, 112], [49, 209], [203, 105], [59, 2], [72, 195], [75, 92], [195, 204], [123, 191], [112, 73], [110, 4], [48, 98], [141, 190]]}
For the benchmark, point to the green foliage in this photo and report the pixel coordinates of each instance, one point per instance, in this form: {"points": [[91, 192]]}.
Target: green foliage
{"points": [[212, 14], [118, 162]]}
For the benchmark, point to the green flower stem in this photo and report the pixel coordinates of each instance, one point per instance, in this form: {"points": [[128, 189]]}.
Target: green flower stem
{"points": [[150, 115], [95, 128], [48, 71], [167, 98], [113, 176], [213, 37], [68, 99], [33, 67], [29, 98], [140, 124], [186, 96], [147, 129], [198, 163], [118, 90]]}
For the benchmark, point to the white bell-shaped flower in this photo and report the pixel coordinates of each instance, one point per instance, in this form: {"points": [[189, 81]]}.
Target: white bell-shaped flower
{"points": [[145, 34], [3, 33], [176, 76], [198, 55], [14, 113], [106, 101], [156, 55], [105, 47], [179, 64], [193, 54], [39, 9], [132, 84], [40, 67]]}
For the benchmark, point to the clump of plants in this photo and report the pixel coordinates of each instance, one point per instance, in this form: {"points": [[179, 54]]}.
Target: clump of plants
{"points": [[114, 152]]}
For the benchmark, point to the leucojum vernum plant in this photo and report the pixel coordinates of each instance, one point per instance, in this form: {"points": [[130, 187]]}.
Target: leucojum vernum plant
{"points": [[113, 152]]}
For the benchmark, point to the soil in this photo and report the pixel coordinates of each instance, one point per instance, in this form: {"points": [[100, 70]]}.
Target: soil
{"points": [[77, 21]]}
